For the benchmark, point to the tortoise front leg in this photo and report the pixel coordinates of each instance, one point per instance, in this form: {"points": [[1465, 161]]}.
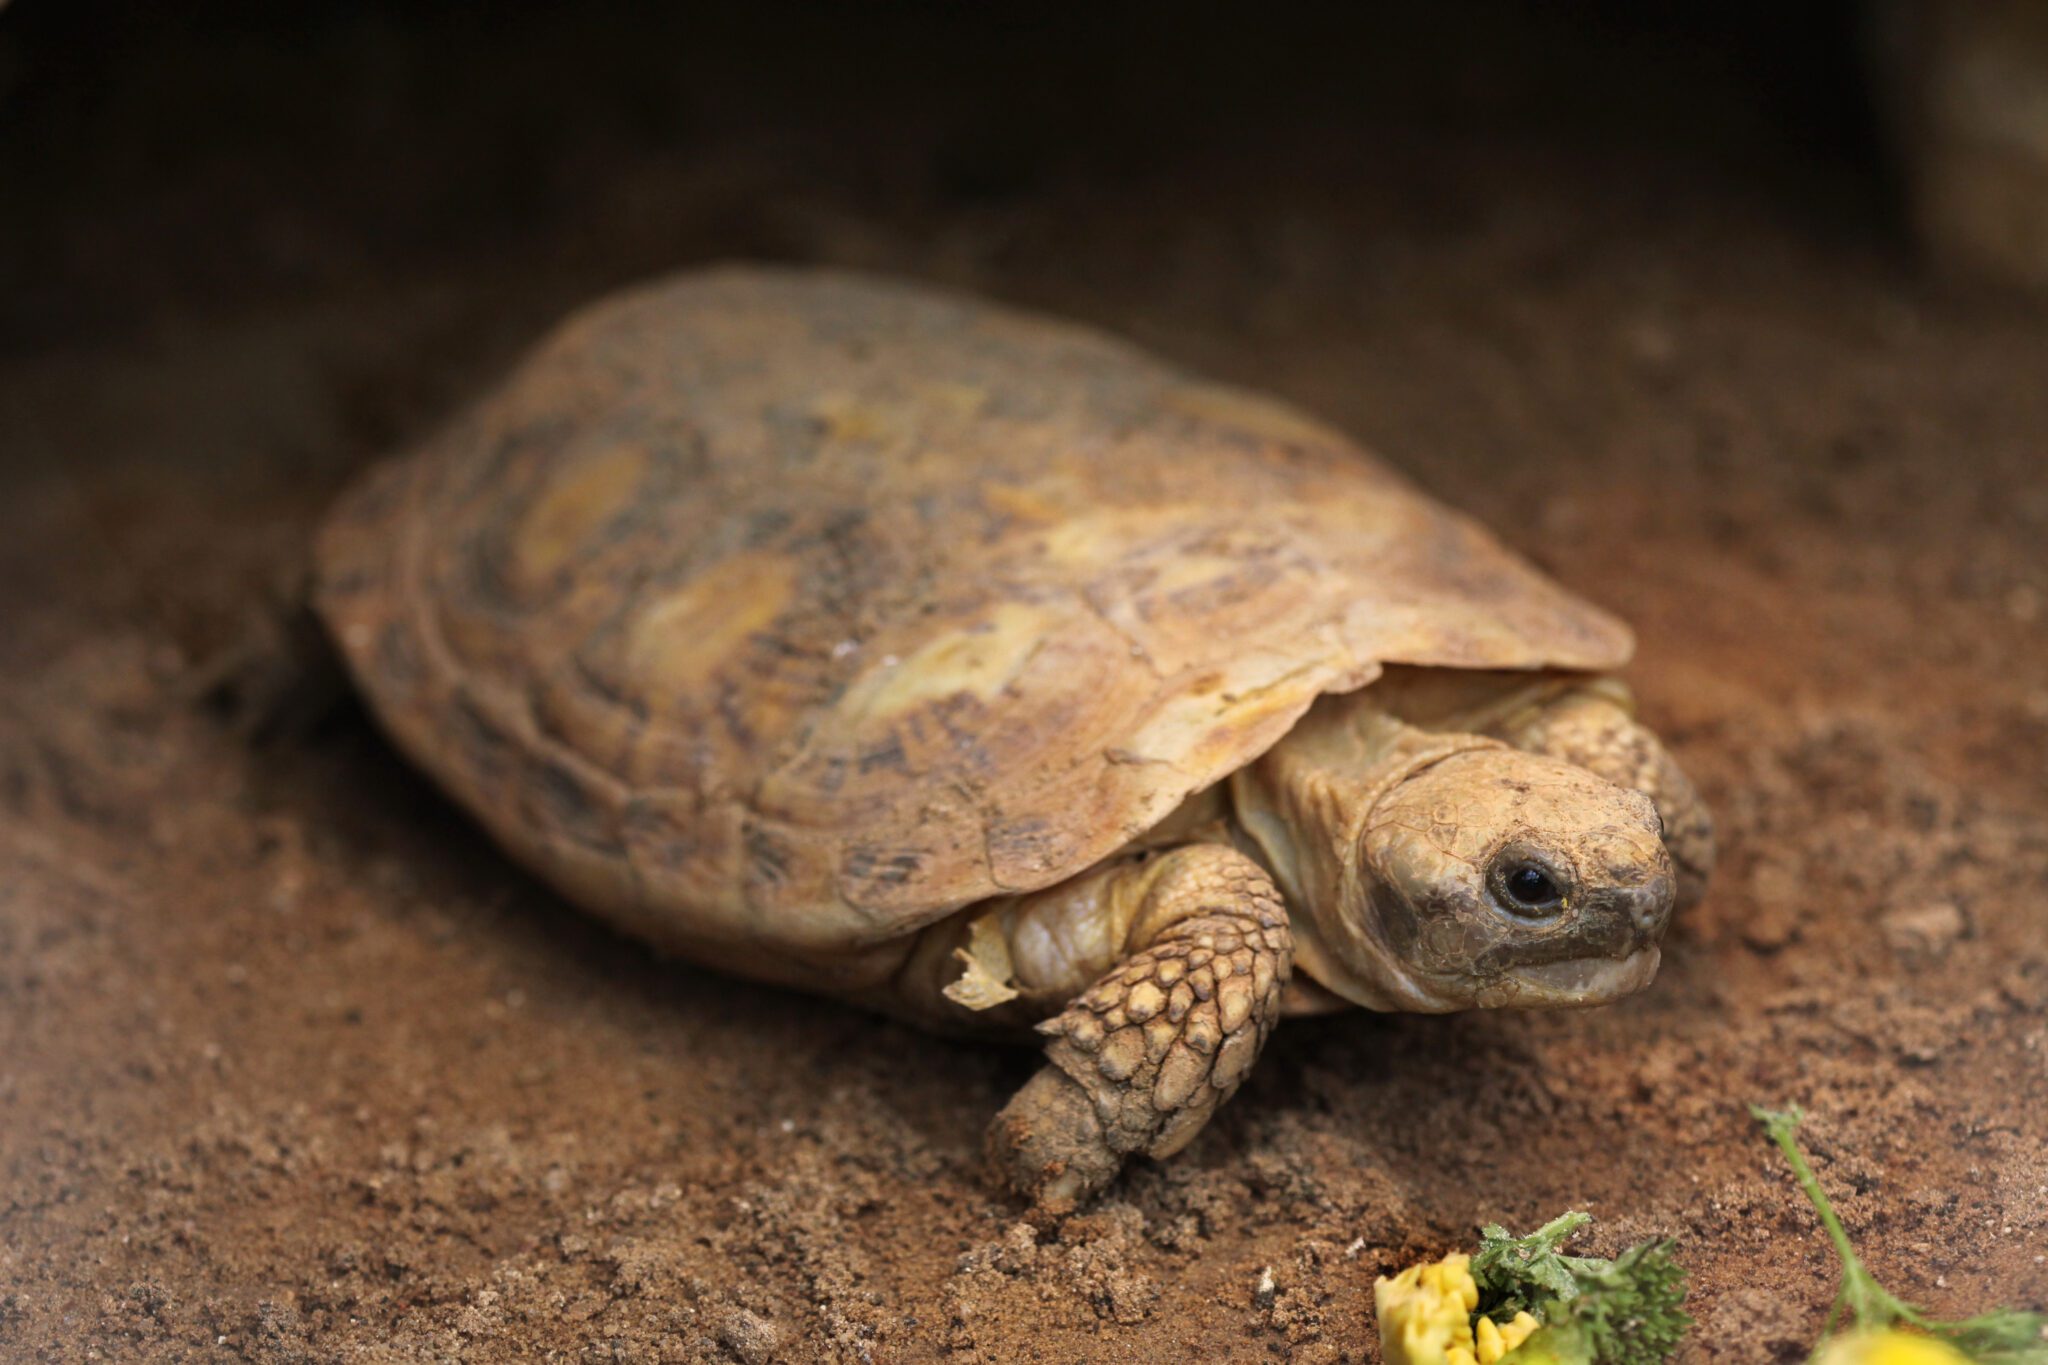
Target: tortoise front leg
{"points": [[1140, 1060]]}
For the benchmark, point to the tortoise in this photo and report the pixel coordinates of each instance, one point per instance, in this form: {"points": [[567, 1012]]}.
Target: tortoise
{"points": [[984, 670]]}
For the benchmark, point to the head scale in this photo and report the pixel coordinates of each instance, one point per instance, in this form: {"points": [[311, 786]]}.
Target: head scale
{"points": [[1494, 877]]}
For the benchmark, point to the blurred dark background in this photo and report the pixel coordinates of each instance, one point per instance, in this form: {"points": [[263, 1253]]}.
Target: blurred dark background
{"points": [[158, 158]]}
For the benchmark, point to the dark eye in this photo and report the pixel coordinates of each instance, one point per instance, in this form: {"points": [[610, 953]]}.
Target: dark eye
{"points": [[1529, 889]]}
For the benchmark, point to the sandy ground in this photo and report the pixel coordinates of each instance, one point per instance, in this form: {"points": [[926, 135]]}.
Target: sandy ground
{"points": [[294, 1066]]}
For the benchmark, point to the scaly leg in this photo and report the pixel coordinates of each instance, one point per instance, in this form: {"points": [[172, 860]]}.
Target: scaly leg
{"points": [[1140, 1060]]}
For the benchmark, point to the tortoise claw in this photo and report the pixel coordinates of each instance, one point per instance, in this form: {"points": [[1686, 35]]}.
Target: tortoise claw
{"points": [[1048, 1145]]}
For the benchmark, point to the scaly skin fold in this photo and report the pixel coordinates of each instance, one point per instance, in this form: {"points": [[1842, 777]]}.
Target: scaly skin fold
{"points": [[1140, 1060]]}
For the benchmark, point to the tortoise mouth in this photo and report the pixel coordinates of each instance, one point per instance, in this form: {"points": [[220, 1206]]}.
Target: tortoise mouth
{"points": [[1575, 981]]}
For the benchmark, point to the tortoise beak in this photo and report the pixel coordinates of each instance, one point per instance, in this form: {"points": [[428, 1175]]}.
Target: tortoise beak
{"points": [[1574, 981]]}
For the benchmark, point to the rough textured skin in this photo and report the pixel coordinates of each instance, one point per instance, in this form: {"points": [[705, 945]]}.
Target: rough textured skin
{"points": [[778, 614], [1161, 1040], [1385, 840], [1594, 732]]}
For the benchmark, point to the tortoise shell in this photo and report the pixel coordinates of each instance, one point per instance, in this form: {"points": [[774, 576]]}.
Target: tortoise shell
{"points": [[779, 613]]}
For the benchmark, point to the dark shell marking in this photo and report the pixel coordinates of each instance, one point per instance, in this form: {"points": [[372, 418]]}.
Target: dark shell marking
{"points": [[778, 614]]}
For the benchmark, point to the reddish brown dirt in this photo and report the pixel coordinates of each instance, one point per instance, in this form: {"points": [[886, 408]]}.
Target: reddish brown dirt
{"points": [[293, 1066]]}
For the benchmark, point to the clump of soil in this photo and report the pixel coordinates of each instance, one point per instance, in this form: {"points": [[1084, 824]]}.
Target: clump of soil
{"points": [[293, 1066]]}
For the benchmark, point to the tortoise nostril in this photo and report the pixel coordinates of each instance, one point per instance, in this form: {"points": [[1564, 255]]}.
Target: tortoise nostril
{"points": [[1649, 906]]}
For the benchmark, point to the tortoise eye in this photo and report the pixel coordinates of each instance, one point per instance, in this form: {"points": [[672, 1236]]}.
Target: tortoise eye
{"points": [[1529, 889]]}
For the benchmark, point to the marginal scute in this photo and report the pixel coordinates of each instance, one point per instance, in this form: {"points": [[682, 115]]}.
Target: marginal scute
{"points": [[910, 601]]}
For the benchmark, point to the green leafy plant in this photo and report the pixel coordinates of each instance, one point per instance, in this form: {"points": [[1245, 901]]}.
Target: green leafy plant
{"points": [[1627, 1311], [1524, 1301], [1864, 1324]]}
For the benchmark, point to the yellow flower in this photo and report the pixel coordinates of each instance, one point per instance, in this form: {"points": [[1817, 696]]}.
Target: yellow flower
{"points": [[1495, 1342], [1425, 1315], [1890, 1347]]}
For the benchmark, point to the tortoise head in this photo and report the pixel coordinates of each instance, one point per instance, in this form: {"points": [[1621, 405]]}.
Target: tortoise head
{"points": [[1495, 877]]}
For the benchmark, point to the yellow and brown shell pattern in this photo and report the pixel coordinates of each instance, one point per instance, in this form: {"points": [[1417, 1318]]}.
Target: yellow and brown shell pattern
{"points": [[778, 613]]}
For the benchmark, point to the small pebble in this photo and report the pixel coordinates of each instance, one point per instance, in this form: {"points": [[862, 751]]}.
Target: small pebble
{"points": [[751, 1338], [1923, 931], [1774, 921]]}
